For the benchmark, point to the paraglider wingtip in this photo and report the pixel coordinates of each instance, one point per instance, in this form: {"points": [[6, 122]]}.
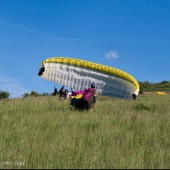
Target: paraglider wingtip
{"points": [[134, 96], [40, 73]]}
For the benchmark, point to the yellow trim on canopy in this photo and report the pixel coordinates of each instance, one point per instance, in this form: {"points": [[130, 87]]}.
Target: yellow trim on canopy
{"points": [[91, 65]]}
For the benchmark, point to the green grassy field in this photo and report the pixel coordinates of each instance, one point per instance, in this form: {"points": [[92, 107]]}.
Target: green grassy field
{"points": [[43, 132]]}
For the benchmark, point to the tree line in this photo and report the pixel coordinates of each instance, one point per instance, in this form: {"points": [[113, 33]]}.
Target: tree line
{"points": [[5, 94], [144, 86], [150, 87]]}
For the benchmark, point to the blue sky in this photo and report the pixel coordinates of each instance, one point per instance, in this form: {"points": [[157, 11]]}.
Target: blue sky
{"points": [[131, 35]]}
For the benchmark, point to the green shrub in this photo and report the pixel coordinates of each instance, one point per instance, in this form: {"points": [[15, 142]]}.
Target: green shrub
{"points": [[4, 94], [141, 106]]}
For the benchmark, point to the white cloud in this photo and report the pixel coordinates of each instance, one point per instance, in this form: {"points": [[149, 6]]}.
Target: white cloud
{"points": [[13, 86], [111, 55]]}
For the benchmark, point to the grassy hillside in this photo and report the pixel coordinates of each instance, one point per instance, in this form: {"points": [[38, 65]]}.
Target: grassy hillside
{"points": [[43, 132]]}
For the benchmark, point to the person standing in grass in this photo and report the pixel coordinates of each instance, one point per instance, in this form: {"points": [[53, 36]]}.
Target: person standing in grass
{"points": [[89, 98], [55, 91], [94, 94], [62, 92], [66, 94]]}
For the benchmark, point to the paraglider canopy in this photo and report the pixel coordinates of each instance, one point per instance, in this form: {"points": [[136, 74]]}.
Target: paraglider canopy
{"points": [[79, 74]]}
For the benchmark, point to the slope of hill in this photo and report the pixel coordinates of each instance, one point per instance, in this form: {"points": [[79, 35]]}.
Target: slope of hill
{"points": [[43, 132]]}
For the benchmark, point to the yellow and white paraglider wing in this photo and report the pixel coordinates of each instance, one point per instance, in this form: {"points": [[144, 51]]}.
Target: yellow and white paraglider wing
{"points": [[79, 74]]}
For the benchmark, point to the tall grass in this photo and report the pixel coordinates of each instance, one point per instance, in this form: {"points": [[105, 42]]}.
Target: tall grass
{"points": [[44, 132]]}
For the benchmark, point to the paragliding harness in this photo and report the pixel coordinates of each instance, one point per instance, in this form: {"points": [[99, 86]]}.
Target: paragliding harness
{"points": [[85, 101], [77, 103], [88, 98]]}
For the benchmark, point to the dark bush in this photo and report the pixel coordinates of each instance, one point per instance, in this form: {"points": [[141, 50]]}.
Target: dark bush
{"points": [[4, 94], [141, 107]]}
